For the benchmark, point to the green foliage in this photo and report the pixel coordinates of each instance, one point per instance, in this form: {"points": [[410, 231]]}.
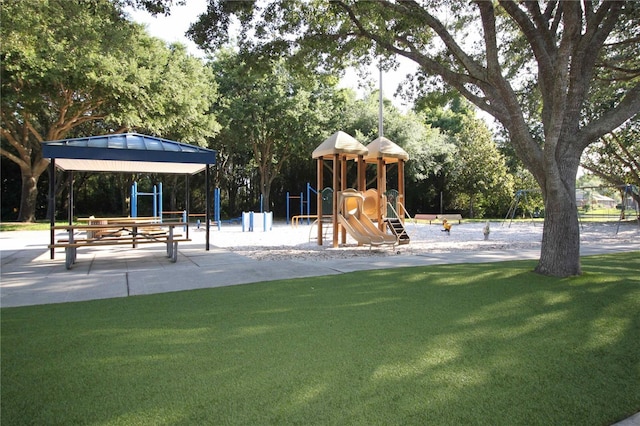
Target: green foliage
{"points": [[173, 94], [452, 344], [81, 68], [271, 116], [479, 177], [445, 111], [476, 177]]}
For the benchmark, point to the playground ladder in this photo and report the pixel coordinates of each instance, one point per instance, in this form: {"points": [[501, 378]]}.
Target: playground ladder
{"points": [[397, 228]]}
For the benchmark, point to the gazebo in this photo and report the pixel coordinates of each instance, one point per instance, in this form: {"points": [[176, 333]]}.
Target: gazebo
{"points": [[126, 152]]}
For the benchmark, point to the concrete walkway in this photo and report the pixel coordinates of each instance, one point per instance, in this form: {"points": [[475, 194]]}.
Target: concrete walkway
{"points": [[29, 277]]}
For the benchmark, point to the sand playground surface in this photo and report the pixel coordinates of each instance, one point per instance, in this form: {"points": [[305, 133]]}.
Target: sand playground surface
{"points": [[287, 242]]}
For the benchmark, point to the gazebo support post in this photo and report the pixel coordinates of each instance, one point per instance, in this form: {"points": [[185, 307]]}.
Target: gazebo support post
{"points": [[71, 197], [187, 191], [52, 205], [208, 205], [320, 181]]}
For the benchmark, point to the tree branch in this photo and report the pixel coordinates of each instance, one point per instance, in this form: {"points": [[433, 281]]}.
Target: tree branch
{"points": [[13, 157], [612, 118], [634, 162], [544, 53], [475, 69], [15, 143], [487, 14], [541, 22]]}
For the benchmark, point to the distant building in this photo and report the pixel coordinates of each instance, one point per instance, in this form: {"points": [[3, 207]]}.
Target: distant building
{"points": [[603, 201], [594, 199]]}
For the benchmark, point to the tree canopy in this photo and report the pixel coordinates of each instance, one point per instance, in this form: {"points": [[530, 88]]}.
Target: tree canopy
{"points": [[270, 115], [79, 68]]}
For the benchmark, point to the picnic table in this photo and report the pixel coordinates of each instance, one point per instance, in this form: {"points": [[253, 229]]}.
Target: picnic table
{"points": [[122, 231]]}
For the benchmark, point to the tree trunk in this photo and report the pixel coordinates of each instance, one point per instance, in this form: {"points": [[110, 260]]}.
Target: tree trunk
{"points": [[560, 250], [29, 196], [232, 197], [266, 195]]}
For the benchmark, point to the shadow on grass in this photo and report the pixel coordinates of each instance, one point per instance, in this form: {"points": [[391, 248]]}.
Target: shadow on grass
{"points": [[476, 343]]}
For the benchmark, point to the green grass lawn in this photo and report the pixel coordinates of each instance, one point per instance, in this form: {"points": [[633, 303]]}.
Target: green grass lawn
{"points": [[34, 226], [457, 344]]}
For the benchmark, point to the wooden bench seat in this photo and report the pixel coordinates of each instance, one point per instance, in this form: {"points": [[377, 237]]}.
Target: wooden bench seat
{"points": [[438, 217], [450, 217], [112, 240], [427, 217]]}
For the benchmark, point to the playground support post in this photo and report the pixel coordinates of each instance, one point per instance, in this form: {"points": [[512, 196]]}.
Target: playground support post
{"points": [[520, 193], [216, 206], [289, 197], [309, 190]]}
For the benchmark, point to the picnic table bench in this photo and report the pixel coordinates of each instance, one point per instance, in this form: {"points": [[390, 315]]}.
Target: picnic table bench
{"points": [[438, 217], [450, 217], [427, 217], [123, 232]]}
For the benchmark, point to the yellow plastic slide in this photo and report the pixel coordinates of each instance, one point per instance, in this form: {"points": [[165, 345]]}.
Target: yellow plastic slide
{"points": [[374, 230], [358, 225], [358, 231]]}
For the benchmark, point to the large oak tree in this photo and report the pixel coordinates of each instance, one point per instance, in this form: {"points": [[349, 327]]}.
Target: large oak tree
{"points": [[530, 64], [81, 68]]}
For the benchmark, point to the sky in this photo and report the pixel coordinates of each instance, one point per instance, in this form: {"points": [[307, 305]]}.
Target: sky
{"points": [[172, 29]]}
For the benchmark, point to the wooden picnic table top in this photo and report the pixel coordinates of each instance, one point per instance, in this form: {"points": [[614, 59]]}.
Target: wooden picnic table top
{"points": [[124, 225], [119, 219]]}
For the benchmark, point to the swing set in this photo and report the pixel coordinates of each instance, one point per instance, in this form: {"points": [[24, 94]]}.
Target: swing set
{"points": [[628, 203]]}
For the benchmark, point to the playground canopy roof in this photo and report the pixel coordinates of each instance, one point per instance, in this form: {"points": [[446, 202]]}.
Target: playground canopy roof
{"points": [[128, 152], [340, 143], [384, 148]]}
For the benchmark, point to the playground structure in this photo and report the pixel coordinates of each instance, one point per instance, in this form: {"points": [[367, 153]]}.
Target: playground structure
{"points": [[521, 196], [158, 212], [156, 195], [252, 221], [305, 204], [354, 210]]}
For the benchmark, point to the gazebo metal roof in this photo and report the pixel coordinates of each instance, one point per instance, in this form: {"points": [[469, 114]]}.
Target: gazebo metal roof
{"points": [[128, 152]]}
